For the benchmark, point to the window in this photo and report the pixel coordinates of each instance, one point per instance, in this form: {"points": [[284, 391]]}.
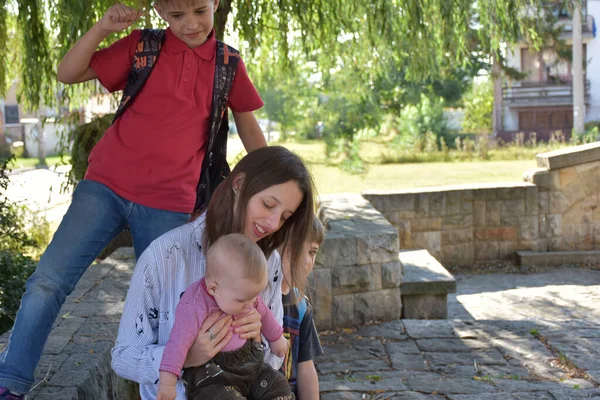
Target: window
{"points": [[11, 114], [547, 67]]}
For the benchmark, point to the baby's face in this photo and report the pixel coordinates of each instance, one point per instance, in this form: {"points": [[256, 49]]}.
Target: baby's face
{"points": [[236, 295]]}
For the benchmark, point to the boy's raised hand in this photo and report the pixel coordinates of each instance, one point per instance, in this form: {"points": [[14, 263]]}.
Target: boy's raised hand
{"points": [[119, 17]]}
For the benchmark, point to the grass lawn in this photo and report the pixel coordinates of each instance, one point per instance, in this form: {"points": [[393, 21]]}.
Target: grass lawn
{"points": [[33, 162], [331, 179]]}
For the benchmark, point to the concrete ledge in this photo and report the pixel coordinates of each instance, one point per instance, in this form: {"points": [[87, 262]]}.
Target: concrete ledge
{"points": [[423, 274], [425, 286], [556, 258], [562, 158]]}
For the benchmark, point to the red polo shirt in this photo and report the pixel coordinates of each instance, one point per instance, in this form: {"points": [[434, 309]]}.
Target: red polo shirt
{"points": [[153, 153]]}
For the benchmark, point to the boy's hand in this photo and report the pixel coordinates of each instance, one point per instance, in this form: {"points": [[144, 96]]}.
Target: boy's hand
{"points": [[119, 17], [166, 392], [280, 346]]}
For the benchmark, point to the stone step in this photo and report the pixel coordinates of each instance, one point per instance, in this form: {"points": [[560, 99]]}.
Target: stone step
{"points": [[425, 286], [556, 258]]}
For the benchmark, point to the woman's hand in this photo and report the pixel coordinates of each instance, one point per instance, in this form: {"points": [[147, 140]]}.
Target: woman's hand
{"points": [[212, 338], [248, 326]]}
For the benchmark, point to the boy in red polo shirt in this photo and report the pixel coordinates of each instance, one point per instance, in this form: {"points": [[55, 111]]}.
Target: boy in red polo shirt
{"points": [[144, 171]]}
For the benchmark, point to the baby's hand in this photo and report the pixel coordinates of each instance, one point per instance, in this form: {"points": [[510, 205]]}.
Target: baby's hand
{"points": [[280, 346], [166, 392], [118, 18]]}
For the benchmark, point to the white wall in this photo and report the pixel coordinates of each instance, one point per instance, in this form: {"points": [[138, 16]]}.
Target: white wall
{"points": [[52, 134]]}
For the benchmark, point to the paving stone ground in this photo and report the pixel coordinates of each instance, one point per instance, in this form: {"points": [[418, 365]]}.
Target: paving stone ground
{"points": [[513, 337]]}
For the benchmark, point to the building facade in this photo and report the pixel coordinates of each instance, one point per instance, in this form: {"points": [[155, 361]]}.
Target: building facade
{"points": [[543, 101]]}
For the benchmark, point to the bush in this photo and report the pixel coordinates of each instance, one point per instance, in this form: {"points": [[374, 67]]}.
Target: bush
{"points": [[23, 237]]}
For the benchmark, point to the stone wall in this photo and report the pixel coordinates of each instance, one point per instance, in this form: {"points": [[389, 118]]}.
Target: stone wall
{"points": [[555, 209], [568, 184], [357, 272]]}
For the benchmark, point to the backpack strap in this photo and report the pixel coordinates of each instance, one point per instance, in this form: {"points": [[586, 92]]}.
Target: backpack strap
{"points": [[144, 59], [214, 166]]}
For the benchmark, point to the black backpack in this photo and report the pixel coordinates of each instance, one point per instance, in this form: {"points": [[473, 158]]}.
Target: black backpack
{"points": [[214, 166]]}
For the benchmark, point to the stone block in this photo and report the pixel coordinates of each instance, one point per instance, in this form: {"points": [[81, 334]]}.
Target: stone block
{"points": [[486, 251], [575, 192], [559, 203], [353, 279], [337, 249], [431, 241], [392, 217], [510, 193], [458, 254], [405, 234], [479, 215], [399, 202], [495, 234], [423, 274], [531, 196], [528, 228], [382, 305], [486, 194], [509, 208], [343, 311], [453, 203], [426, 224], [506, 250], [589, 177], [373, 248], [554, 222], [569, 156], [466, 208], [319, 283], [578, 215], [542, 226], [457, 236], [437, 204], [425, 306], [543, 202], [539, 177], [422, 206], [555, 244], [467, 195], [567, 176], [457, 222], [492, 210], [391, 274]]}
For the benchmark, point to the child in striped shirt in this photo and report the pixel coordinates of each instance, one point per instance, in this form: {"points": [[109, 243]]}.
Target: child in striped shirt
{"points": [[236, 273]]}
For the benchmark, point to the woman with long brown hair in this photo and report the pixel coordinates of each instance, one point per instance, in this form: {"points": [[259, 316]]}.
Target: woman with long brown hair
{"points": [[269, 198]]}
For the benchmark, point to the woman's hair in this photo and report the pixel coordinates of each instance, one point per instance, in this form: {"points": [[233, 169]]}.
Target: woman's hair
{"points": [[263, 168]]}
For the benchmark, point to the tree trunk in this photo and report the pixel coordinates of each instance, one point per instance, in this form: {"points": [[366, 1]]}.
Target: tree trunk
{"points": [[221, 16], [497, 77], [41, 139], [578, 84]]}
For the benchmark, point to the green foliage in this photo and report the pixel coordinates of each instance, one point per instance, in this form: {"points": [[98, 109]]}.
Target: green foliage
{"points": [[85, 138], [479, 106], [422, 125], [22, 237]]}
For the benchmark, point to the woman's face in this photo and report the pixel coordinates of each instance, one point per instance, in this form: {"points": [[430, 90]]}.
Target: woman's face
{"points": [[267, 210]]}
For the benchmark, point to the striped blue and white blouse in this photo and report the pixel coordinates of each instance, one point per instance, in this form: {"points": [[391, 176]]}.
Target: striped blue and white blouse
{"points": [[163, 272]]}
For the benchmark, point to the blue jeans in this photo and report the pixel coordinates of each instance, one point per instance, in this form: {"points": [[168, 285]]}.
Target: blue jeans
{"points": [[96, 215]]}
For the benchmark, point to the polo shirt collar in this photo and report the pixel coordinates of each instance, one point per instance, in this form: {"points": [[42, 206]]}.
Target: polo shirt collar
{"points": [[205, 51]]}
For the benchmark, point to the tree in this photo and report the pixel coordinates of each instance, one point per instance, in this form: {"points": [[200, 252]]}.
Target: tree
{"points": [[417, 31]]}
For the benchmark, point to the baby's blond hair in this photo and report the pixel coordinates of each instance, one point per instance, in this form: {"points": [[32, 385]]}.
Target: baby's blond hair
{"points": [[237, 256]]}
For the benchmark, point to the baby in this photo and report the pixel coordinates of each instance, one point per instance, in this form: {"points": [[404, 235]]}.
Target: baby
{"points": [[236, 274]]}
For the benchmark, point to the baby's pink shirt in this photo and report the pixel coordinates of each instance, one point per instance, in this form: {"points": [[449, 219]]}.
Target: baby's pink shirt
{"points": [[195, 306]]}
